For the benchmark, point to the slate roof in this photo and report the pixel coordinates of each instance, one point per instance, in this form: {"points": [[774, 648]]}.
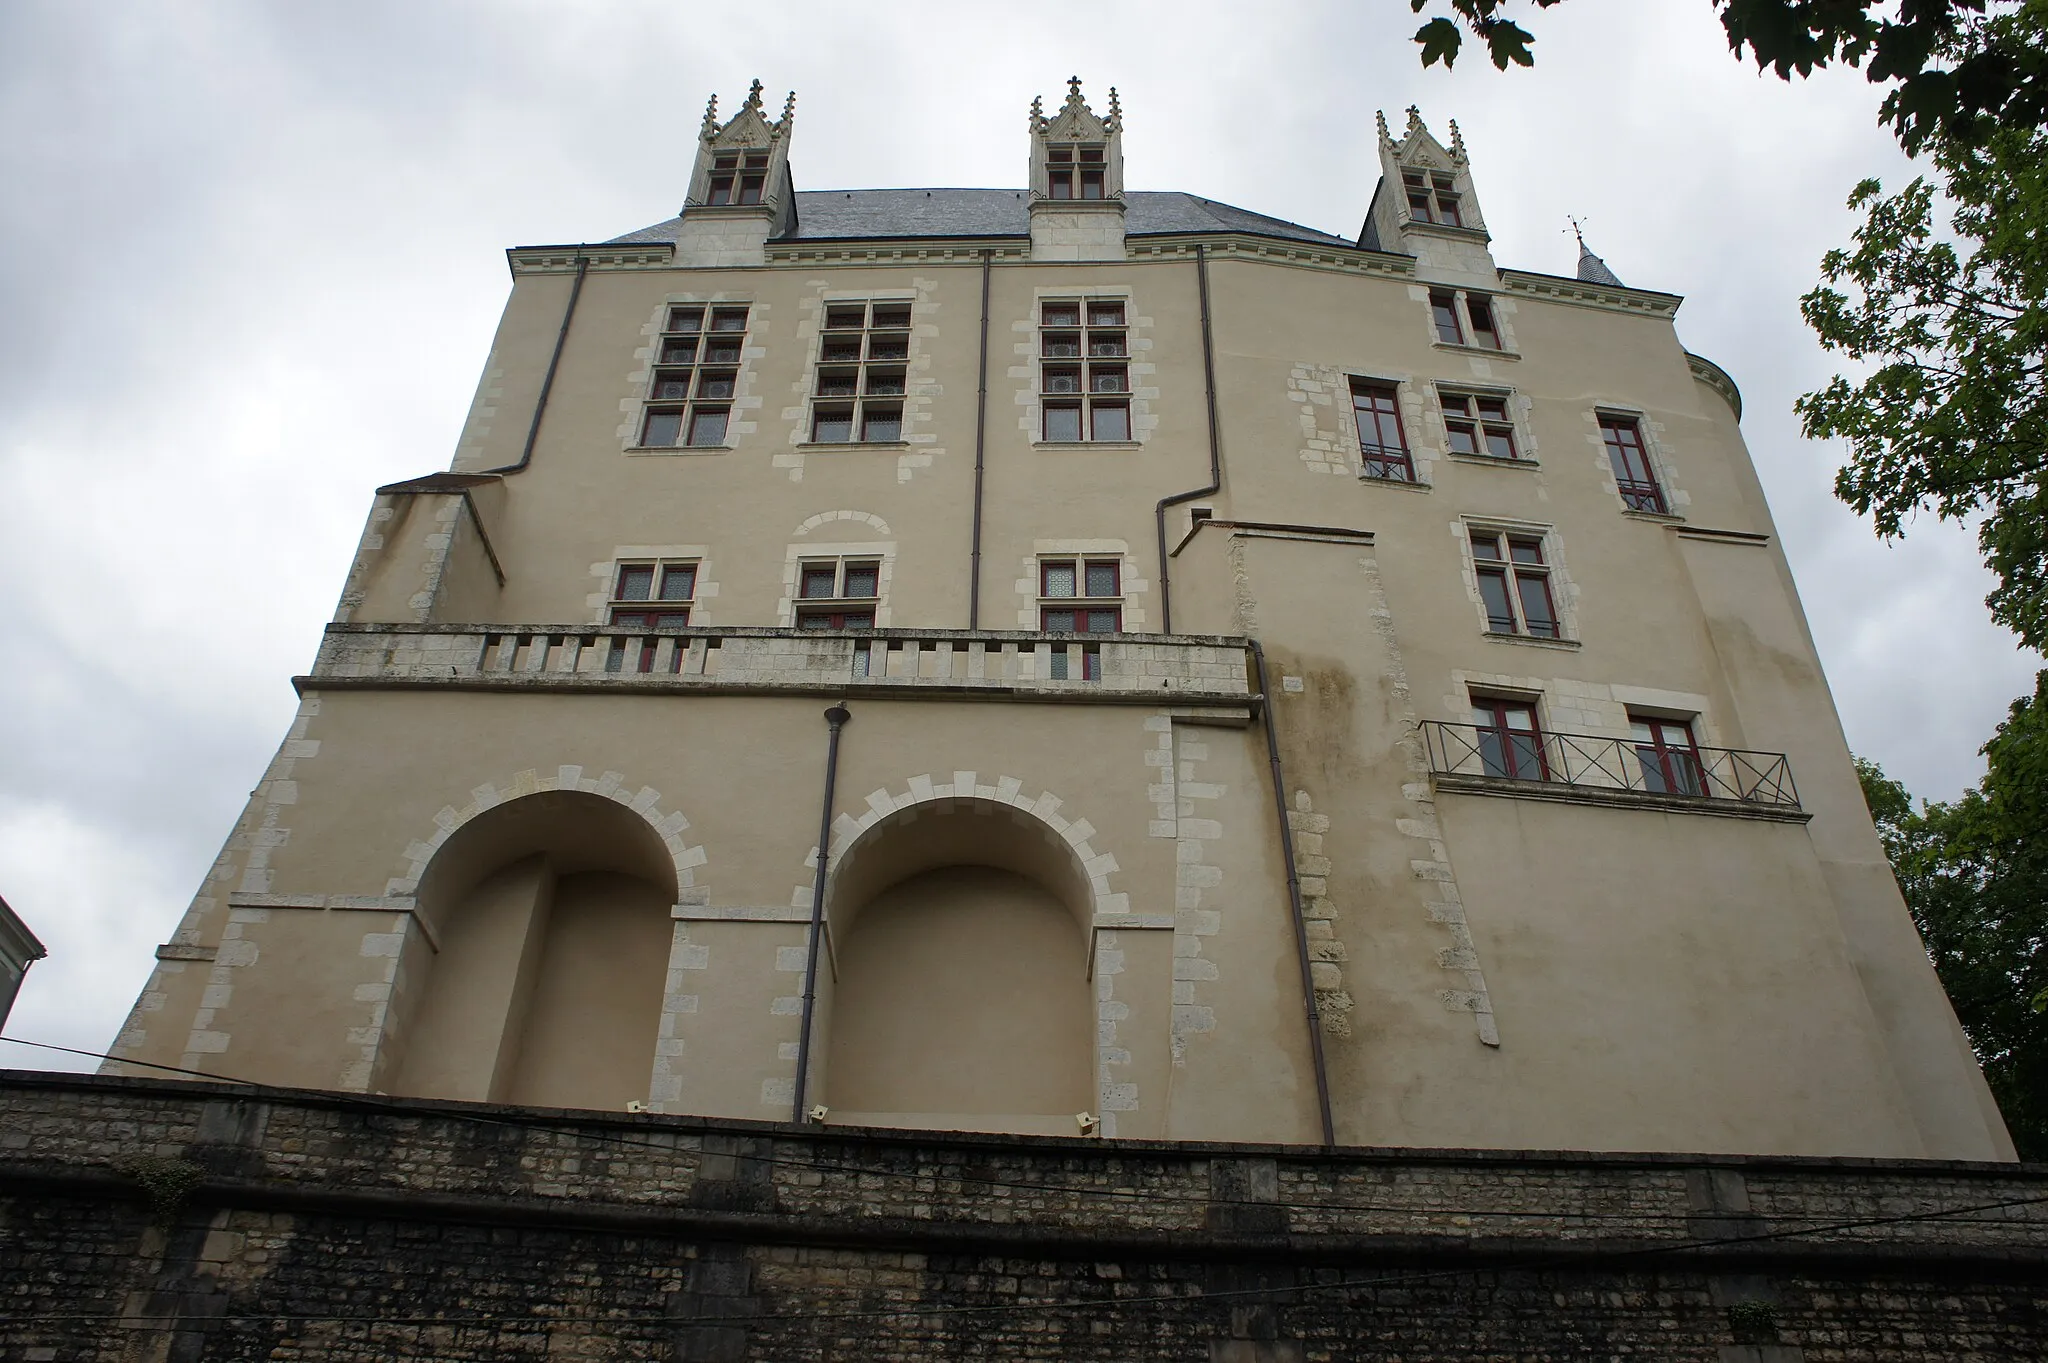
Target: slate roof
{"points": [[843, 214]]}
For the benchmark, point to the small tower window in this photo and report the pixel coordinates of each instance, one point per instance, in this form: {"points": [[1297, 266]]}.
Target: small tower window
{"points": [[1075, 172], [1432, 197], [738, 177]]}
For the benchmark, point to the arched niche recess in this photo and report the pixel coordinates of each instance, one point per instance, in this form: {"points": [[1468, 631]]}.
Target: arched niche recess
{"points": [[552, 913], [961, 998]]}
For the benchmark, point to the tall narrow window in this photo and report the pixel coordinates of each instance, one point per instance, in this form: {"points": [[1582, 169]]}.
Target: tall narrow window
{"points": [[696, 375], [1633, 476], [1075, 172], [1479, 424], [1514, 584], [1432, 197], [1084, 370], [1668, 755], [1509, 741], [1484, 331], [838, 593], [649, 596], [1382, 446], [738, 177], [1443, 311], [1080, 596], [863, 367]]}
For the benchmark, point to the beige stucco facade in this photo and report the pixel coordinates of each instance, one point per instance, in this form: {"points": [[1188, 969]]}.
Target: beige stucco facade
{"points": [[514, 851]]}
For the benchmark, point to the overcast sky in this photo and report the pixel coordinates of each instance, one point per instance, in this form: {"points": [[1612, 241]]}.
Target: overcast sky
{"points": [[251, 260]]}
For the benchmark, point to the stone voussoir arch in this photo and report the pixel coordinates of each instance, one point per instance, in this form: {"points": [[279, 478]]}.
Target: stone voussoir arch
{"points": [[1077, 834], [610, 785], [867, 518]]}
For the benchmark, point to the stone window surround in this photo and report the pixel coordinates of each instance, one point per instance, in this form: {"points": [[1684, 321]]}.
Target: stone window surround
{"points": [[1138, 342], [1568, 705], [1130, 579], [798, 554], [1655, 446], [744, 400], [1521, 413], [918, 446], [1420, 455], [1501, 304], [1564, 592], [815, 358], [1081, 600], [606, 571]]}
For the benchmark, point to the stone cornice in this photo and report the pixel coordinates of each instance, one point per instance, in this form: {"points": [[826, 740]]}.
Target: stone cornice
{"points": [[1272, 250], [635, 255], [1716, 378], [899, 250], [1579, 293]]}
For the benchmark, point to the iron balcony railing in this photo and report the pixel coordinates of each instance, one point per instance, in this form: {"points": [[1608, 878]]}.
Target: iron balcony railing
{"points": [[1586, 761]]}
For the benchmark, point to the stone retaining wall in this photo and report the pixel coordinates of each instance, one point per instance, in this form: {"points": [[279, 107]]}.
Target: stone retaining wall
{"points": [[165, 1221]]}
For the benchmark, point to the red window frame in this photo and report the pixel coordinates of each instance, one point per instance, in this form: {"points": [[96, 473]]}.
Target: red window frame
{"points": [[1094, 606], [1079, 171], [1634, 477], [862, 373], [1483, 421], [1376, 407], [1443, 311], [737, 178], [1485, 328], [1084, 377], [691, 390], [1508, 750], [649, 595], [835, 619], [1515, 565], [1669, 755]]}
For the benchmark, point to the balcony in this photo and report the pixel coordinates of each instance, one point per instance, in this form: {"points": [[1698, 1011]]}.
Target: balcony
{"points": [[1115, 668], [1585, 769]]}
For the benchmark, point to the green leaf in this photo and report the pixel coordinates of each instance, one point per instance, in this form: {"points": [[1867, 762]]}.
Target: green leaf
{"points": [[1440, 41]]}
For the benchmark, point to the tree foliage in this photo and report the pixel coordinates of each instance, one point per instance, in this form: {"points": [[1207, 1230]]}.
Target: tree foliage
{"points": [[1953, 412], [1975, 878], [1949, 71]]}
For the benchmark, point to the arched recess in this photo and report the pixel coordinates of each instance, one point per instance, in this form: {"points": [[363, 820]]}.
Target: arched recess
{"points": [[961, 932], [552, 911]]}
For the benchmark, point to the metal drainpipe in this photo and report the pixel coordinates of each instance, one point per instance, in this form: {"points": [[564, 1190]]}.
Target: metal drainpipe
{"points": [[1215, 445], [547, 384], [980, 447], [1308, 987], [836, 717]]}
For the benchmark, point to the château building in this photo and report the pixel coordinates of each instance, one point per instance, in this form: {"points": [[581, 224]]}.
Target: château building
{"points": [[1205, 678]]}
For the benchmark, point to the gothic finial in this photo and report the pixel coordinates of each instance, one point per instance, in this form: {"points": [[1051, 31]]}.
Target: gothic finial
{"points": [[1116, 110], [711, 113], [1414, 118], [1073, 89], [754, 96], [1037, 112], [1457, 143], [789, 108], [1380, 117]]}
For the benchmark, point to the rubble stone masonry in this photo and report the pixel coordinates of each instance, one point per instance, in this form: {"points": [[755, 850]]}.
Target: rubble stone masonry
{"points": [[145, 1220]]}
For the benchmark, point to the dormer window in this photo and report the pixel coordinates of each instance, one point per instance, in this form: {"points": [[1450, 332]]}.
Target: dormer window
{"points": [[738, 177], [1432, 197], [1076, 172]]}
